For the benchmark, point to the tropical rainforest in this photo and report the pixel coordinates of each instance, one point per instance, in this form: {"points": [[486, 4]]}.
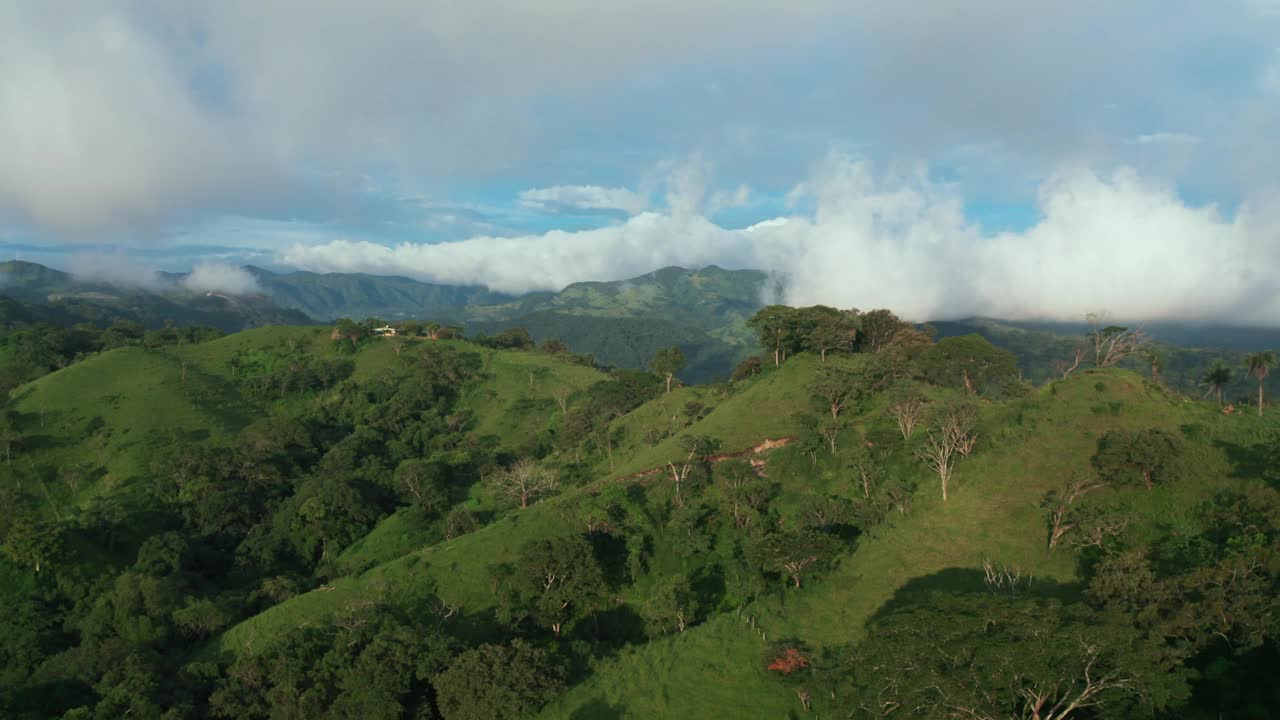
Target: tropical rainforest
{"points": [[854, 517]]}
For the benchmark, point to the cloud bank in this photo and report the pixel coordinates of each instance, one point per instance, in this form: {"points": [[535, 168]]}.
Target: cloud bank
{"points": [[222, 278], [119, 116], [1115, 242]]}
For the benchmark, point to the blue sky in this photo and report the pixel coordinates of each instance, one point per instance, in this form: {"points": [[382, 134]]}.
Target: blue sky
{"points": [[598, 140]]}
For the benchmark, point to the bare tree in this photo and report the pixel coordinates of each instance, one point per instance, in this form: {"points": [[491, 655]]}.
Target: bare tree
{"points": [[526, 481], [1058, 504], [940, 455], [1113, 343], [696, 447], [562, 398], [865, 474], [907, 413], [954, 438], [1063, 700], [957, 424], [1066, 368], [830, 431], [1096, 529]]}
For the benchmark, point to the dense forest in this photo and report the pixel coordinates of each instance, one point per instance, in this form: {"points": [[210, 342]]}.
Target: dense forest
{"points": [[862, 521]]}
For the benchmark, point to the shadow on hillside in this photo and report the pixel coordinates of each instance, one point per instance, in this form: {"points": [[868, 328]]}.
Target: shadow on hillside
{"points": [[599, 709], [1247, 461], [958, 581]]}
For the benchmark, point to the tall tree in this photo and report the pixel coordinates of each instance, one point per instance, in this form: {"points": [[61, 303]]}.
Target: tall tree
{"points": [[795, 553], [1259, 364], [824, 329], [775, 324], [556, 580], [666, 363], [696, 448], [878, 328], [1148, 454], [977, 656], [1216, 378], [835, 388], [494, 682], [1113, 343]]}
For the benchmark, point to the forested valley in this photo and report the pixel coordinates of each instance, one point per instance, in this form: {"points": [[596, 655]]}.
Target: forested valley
{"points": [[861, 521]]}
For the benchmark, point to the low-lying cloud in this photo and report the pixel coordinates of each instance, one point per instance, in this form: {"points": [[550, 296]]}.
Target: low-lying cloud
{"points": [[221, 278], [1115, 242], [113, 268]]}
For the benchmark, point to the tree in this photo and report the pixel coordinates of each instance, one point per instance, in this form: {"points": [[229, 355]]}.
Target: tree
{"points": [[824, 329], [347, 331], [775, 325], [969, 362], [9, 433], [907, 411], [554, 346], [526, 481], [666, 363], [1259, 364], [556, 580], [745, 492], [32, 542], [1113, 343], [1216, 378], [976, 656], [747, 368], [953, 438], [1148, 454], [513, 339], [796, 553], [672, 605], [1058, 504], [696, 447], [830, 430], [424, 484], [792, 663], [878, 328], [493, 682], [835, 388]]}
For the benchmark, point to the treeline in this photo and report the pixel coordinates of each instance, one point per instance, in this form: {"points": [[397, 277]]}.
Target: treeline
{"points": [[28, 351], [225, 530]]}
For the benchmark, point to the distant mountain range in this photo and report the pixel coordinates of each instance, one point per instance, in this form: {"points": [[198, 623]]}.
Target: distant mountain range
{"points": [[50, 295], [621, 322]]}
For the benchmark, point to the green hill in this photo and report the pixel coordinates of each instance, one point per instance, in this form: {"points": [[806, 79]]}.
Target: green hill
{"points": [[289, 520], [327, 296]]}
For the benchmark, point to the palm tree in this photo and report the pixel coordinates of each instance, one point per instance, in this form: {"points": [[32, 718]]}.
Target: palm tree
{"points": [[1259, 365], [1216, 377]]}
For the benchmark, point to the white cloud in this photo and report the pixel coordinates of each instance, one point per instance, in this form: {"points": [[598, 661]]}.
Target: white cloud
{"points": [[1117, 242], [580, 198], [1166, 138], [113, 268], [221, 277], [114, 115]]}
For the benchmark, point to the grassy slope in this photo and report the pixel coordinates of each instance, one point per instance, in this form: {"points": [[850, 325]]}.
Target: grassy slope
{"points": [[459, 568], [139, 397], [714, 669]]}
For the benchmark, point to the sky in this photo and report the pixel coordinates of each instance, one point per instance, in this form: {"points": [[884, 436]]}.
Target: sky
{"points": [[1013, 158]]}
